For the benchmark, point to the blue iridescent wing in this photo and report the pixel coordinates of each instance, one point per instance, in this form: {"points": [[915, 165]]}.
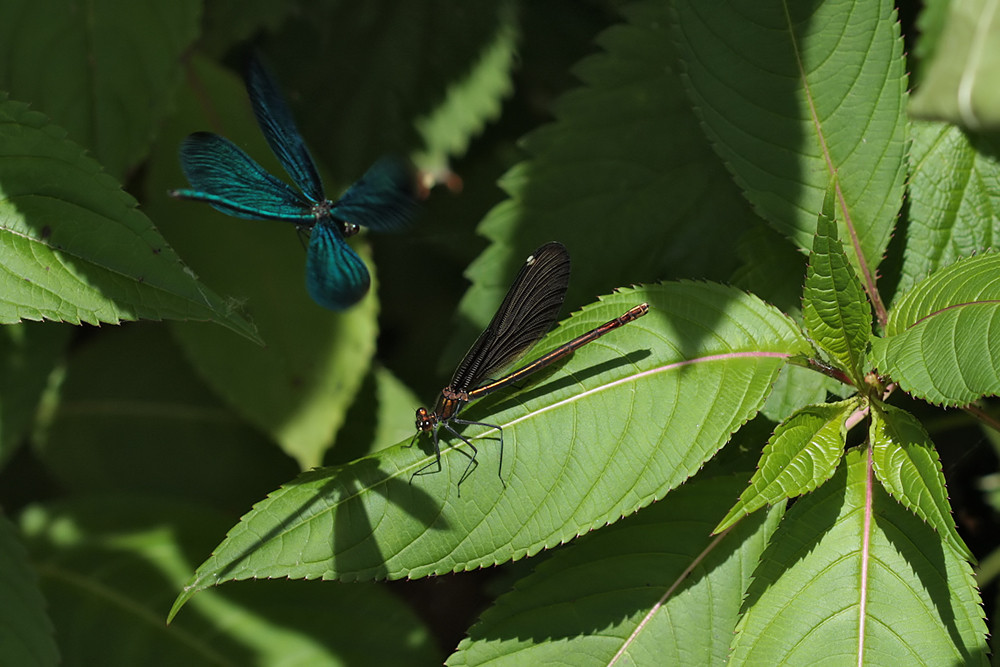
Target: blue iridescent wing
{"points": [[335, 275], [383, 199], [224, 176], [276, 122]]}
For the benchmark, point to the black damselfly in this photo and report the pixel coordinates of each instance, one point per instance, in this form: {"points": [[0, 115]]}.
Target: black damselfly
{"points": [[526, 314]]}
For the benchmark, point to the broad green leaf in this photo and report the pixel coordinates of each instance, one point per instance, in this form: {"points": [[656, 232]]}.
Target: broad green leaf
{"points": [[105, 70], [622, 177], [941, 341], [834, 307], [954, 199], [667, 390], [961, 83], [472, 102], [296, 389], [112, 420], [625, 592], [791, 93], [25, 628], [108, 567], [802, 454], [75, 248], [363, 73], [907, 464], [28, 354], [852, 577]]}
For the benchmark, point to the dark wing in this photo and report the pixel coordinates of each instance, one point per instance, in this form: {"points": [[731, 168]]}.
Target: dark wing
{"points": [[526, 314], [383, 199], [276, 122], [335, 275], [223, 175]]}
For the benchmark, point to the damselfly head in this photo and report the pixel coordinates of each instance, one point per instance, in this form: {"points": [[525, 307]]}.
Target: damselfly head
{"points": [[425, 420]]}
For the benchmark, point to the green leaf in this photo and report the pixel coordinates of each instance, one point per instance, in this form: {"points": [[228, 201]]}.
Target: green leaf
{"points": [[954, 199], [28, 354], [375, 67], [801, 455], [941, 341], [622, 178], [626, 591], [834, 308], [112, 420], [961, 82], [852, 577], [25, 629], [108, 567], [106, 71], [667, 390], [76, 248], [473, 101], [907, 464], [298, 388], [791, 94]]}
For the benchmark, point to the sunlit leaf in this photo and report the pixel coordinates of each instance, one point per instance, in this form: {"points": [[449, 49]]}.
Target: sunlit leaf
{"points": [[666, 390], [802, 454], [73, 246], [907, 464], [942, 342], [954, 194], [834, 308], [851, 576], [625, 592], [791, 93]]}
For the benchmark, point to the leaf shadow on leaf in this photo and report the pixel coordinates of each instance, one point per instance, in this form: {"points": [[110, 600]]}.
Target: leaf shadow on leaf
{"points": [[616, 575], [343, 490], [923, 548], [816, 523], [819, 511], [501, 403]]}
